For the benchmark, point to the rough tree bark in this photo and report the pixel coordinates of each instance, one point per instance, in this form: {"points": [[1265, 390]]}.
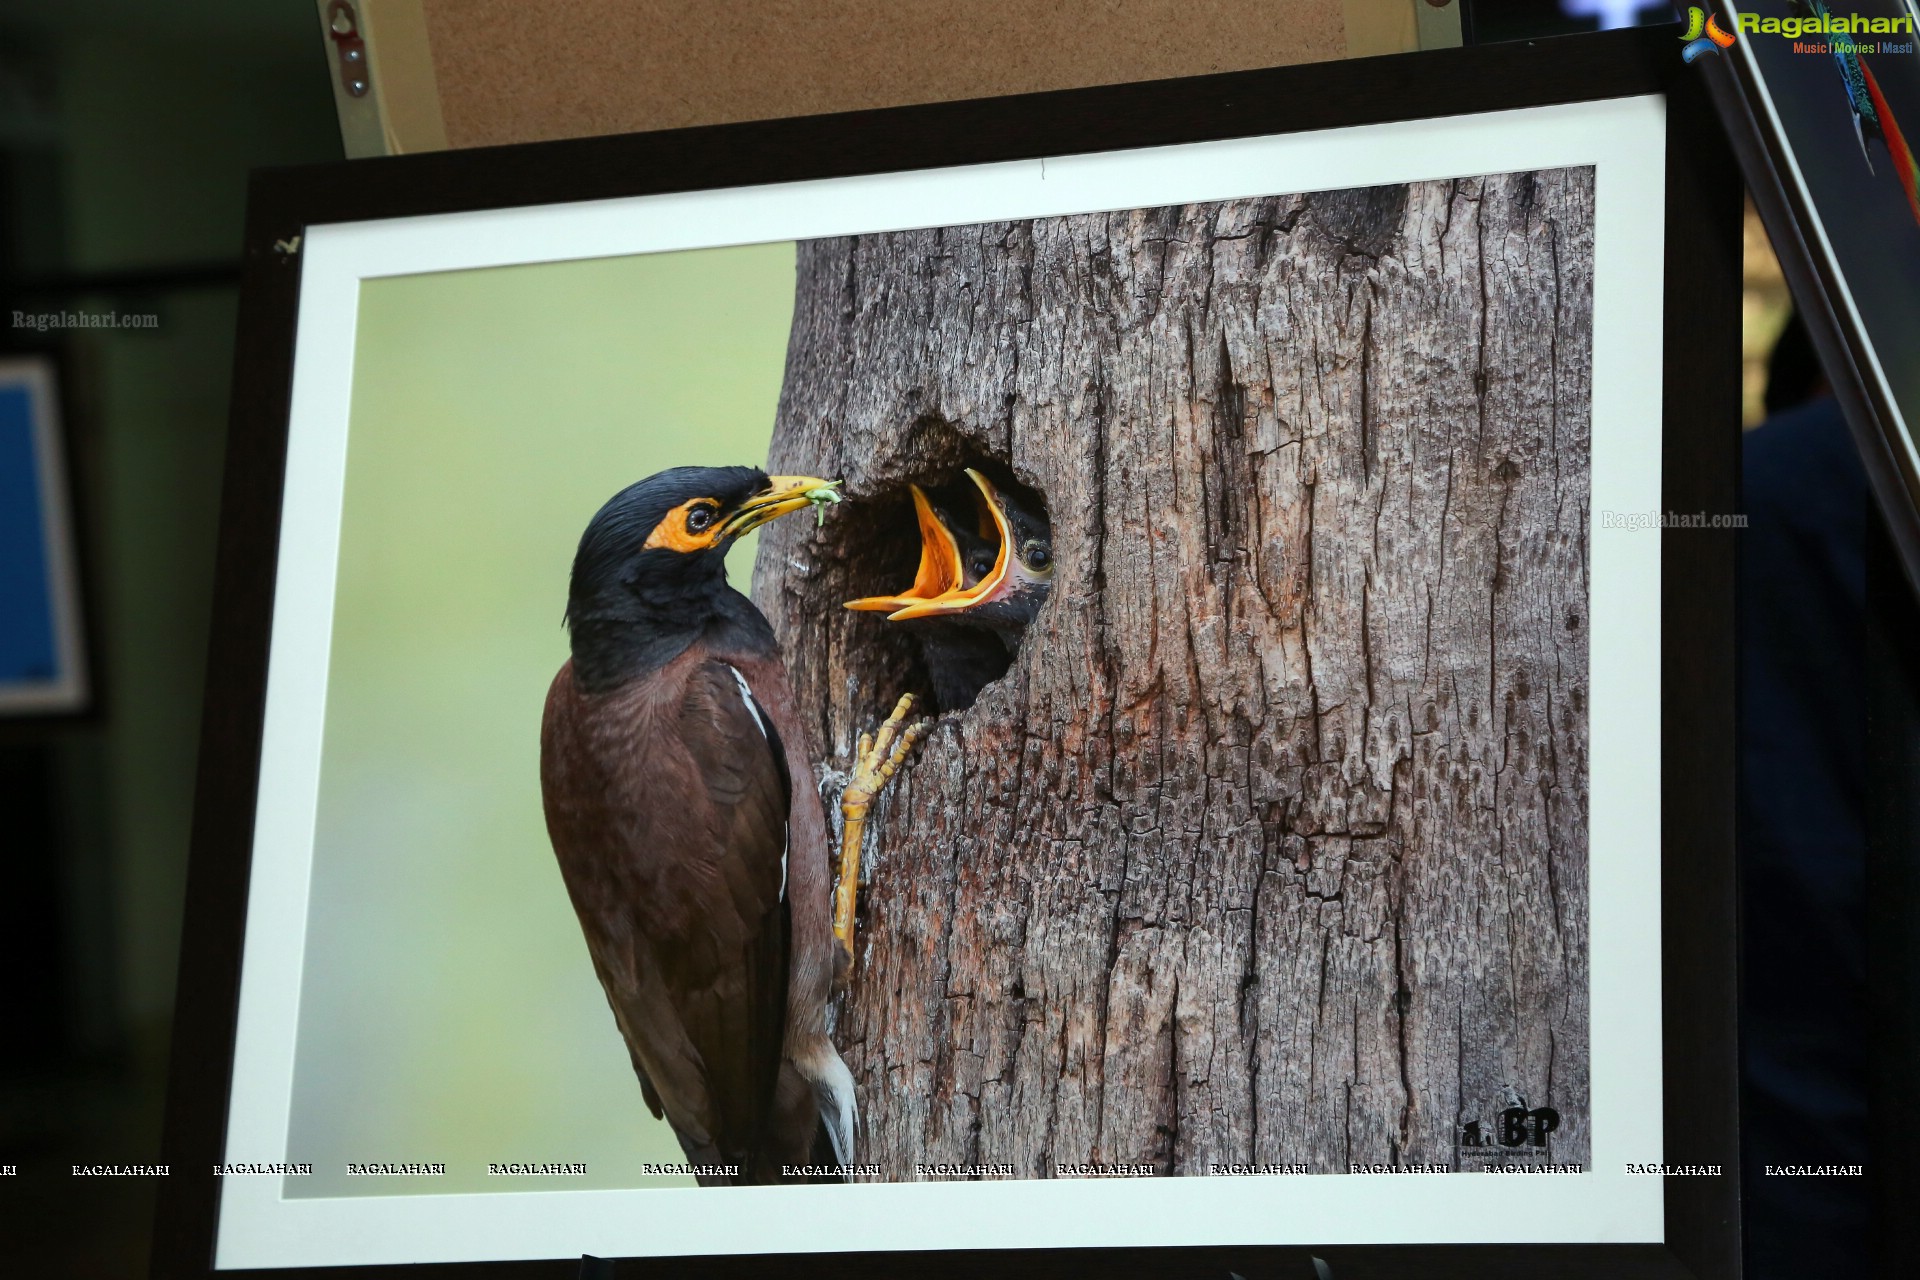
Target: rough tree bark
{"points": [[1272, 844]]}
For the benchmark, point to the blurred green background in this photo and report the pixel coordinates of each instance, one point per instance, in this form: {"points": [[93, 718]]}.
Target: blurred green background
{"points": [[450, 1012]]}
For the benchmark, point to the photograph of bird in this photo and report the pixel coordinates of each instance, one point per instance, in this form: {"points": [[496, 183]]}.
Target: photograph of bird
{"points": [[976, 590], [1901, 155], [681, 806], [1867, 105]]}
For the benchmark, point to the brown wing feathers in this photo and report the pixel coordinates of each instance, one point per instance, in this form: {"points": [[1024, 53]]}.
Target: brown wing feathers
{"points": [[667, 804]]}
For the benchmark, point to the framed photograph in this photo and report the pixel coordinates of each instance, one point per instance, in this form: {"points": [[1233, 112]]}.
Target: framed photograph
{"points": [[1822, 104], [43, 667], [1308, 842]]}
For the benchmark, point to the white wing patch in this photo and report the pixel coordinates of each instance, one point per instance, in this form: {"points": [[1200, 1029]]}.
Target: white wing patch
{"points": [[746, 696], [753, 709]]}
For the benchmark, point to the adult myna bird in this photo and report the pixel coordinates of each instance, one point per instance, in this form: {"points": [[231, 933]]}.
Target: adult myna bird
{"points": [[682, 808], [976, 590]]}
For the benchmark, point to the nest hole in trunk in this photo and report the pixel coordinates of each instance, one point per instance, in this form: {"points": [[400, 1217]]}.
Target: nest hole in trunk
{"points": [[947, 662]]}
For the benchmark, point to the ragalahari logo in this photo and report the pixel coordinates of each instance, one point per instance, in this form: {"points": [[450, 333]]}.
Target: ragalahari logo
{"points": [[1813, 29], [1703, 35], [1813, 18], [1867, 105]]}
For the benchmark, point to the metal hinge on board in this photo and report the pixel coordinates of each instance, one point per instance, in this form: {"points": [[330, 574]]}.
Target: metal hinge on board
{"points": [[384, 88]]}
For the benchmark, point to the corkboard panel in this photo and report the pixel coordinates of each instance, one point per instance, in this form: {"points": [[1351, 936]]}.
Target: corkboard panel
{"points": [[509, 71]]}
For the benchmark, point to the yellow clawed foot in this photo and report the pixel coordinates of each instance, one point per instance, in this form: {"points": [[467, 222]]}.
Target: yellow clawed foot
{"points": [[879, 755]]}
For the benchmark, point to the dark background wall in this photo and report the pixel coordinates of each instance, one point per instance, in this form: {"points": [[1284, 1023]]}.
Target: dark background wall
{"points": [[126, 133]]}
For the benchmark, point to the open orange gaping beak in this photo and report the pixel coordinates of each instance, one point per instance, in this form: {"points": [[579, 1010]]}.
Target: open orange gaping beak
{"points": [[958, 597], [940, 570]]}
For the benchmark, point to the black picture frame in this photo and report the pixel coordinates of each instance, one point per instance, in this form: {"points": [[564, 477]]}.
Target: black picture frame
{"points": [[1792, 218], [1700, 383]]}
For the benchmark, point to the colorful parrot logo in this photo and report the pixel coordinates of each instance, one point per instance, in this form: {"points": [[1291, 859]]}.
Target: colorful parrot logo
{"points": [[1703, 35], [1872, 117]]}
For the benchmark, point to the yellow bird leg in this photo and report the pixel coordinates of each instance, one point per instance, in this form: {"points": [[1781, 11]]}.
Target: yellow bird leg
{"points": [[873, 765]]}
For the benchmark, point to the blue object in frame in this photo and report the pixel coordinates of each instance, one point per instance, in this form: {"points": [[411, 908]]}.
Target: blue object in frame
{"points": [[29, 652]]}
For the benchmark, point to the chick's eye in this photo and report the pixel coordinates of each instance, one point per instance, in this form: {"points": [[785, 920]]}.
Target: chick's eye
{"points": [[983, 565], [699, 518], [1038, 558]]}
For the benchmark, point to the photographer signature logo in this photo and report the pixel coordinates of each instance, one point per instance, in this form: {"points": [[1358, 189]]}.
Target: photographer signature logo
{"points": [[1703, 35], [1516, 1130]]}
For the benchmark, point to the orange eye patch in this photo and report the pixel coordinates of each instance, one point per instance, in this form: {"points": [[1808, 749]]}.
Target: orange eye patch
{"points": [[677, 532]]}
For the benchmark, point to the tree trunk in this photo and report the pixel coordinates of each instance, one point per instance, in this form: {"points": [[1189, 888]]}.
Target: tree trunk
{"points": [[1271, 846]]}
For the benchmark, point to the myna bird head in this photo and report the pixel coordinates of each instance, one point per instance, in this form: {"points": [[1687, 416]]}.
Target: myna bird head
{"points": [[653, 559], [996, 579]]}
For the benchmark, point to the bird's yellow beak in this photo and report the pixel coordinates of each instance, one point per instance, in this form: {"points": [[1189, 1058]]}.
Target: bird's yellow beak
{"points": [[783, 494], [940, 567], [957, 599]]}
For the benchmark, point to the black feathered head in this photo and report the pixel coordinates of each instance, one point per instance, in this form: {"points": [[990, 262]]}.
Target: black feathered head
{"points": [[653, 559]]}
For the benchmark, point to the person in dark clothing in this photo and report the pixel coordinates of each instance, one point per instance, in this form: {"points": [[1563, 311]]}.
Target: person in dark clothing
{"points": [[1802, 830]]}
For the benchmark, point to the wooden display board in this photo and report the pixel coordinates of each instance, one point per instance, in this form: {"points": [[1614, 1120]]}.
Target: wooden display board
{"points": [[471, 73]]}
